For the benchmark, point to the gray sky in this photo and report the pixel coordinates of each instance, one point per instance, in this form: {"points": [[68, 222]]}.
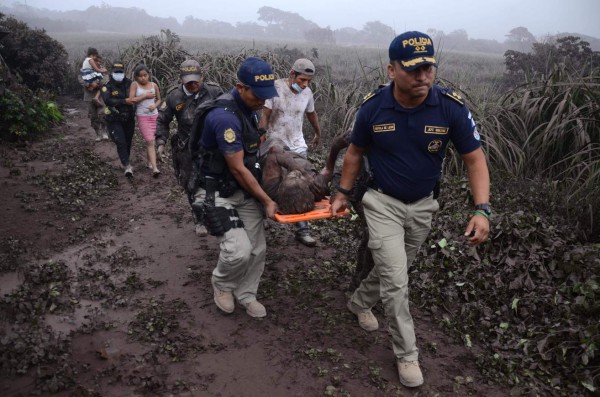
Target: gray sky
{"points": [[482, 19]]}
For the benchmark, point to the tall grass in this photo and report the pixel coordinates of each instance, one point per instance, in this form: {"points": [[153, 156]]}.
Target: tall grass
{"points": [[550, 129]]}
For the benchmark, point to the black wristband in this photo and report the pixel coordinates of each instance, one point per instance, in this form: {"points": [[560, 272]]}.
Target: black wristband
{"points": [[345, 191], [261, 131]]}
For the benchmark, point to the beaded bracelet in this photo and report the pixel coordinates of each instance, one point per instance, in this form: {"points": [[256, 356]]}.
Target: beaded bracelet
{"points": [[482, 213]]}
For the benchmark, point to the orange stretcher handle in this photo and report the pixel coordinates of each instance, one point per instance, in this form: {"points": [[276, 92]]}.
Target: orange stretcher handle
{"points": [[322, 211]]}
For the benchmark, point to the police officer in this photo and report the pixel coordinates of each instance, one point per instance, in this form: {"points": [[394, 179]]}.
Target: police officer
{"points": [[120, 114], [407, 127], [230, 190], [181, 103]]}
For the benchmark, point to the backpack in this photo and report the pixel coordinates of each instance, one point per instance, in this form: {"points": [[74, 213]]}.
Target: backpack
{"points": [[196, 134]]}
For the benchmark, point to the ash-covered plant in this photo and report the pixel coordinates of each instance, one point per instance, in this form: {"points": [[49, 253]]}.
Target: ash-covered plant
{"points": [[570, 51], [26, 347], [158, 324], [29, 79], [11, 250], [45, 289], [550, 129], [162, 54], [529, 296], [85, 179], [39, 61]]}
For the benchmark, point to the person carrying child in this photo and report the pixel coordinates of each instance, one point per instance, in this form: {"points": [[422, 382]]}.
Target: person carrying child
{"points": [[147, 96], [92, 72], [91, 77]]}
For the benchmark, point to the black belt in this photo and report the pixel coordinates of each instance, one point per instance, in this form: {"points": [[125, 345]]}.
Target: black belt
{"points": [[374, 186]]}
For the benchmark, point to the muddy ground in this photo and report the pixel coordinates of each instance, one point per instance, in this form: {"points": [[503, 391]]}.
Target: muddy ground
{"points": [[105, 291]]}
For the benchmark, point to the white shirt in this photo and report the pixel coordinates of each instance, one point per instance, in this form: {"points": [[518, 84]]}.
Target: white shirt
{"points": [[287, 115]]}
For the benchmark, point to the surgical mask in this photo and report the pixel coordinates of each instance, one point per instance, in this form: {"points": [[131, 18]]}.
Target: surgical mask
{"points": [[118, 76], [297, 88]]}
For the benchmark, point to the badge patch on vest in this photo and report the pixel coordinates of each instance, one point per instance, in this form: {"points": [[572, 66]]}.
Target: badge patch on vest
{"points": [[103, 88], [179, 106], [434, 146], [229, 135], [432, 129], [384, 127]]}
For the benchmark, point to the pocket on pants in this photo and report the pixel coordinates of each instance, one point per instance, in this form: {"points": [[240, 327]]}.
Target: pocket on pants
{"points": [[366, 199]]}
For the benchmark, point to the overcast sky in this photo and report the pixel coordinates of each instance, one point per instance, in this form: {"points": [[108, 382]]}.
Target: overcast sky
{"points": [[482, 19]]}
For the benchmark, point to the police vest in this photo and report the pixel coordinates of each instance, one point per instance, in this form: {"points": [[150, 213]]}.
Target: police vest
{"points": [[213, 161]]}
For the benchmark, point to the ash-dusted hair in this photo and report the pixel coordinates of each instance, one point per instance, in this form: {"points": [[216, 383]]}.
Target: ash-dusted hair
{"points": [[294, 195]]}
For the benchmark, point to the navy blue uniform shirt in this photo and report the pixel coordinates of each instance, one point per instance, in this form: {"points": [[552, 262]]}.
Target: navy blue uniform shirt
{"points": [[406, 147], [223, 129]]}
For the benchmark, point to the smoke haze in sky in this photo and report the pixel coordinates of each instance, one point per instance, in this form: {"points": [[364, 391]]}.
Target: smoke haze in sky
{"points": [[489, 19]]}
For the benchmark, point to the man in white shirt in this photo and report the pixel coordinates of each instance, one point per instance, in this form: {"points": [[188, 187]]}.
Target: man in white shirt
{"points": [[283, 117]]}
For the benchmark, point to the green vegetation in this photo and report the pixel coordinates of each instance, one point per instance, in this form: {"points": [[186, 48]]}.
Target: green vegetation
{"points": [[29, 76], [23, 113]]}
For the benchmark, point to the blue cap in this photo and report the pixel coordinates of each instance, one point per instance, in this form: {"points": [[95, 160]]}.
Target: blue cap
{"points": [[412, 50], [258, 75]]}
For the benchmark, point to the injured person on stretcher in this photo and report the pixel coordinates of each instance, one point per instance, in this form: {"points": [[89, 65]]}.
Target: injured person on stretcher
{"points": [[290, 179]]}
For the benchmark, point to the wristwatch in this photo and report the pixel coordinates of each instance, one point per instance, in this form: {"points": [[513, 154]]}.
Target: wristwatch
{"points": [[486, 208]]}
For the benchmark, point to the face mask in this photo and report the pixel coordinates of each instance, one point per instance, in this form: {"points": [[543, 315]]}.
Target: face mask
{"points": [[297, 88], [118, 76]]}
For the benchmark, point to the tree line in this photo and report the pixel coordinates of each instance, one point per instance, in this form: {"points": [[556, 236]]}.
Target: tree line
{"points": [[271, 22]]}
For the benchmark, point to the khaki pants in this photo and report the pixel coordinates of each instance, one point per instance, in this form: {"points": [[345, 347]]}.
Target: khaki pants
{"points": [[396, 231], [243, 250]]}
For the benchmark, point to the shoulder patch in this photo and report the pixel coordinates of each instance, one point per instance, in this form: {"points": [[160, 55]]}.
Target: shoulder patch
{"points": [[229, 135], [374, 93], [370, 95], [455, 96]]}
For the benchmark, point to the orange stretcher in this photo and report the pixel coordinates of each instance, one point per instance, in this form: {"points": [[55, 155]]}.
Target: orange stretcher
{"points": [[322, 211]]}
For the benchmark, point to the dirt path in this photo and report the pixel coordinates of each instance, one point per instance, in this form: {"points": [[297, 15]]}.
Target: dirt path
{"points": [[122, 302]]}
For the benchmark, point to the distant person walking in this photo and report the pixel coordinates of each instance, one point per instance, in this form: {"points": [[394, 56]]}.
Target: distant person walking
{"points": [[404, 129], [92, 77], [147, 95], [120, 114]]}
